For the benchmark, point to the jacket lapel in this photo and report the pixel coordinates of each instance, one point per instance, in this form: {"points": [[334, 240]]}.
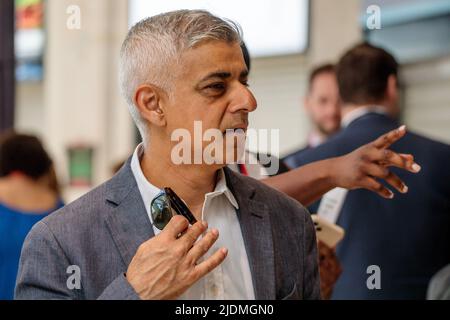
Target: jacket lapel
{"points": [[257, 234], [127, 220]]}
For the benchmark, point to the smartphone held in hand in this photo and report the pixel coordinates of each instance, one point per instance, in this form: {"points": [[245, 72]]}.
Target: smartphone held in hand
{"points": [[327, 232]]}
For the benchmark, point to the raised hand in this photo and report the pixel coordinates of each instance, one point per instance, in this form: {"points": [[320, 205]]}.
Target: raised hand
{"points": [[362, 167]]}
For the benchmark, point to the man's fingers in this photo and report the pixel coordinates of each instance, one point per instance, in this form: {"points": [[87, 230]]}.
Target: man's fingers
{"points": [[375, 186], [209, 264], [176, 225], [388, 158], [389, 138], [381, 172], [396, 182], [414, 167], [203, 245], [191, 235], [407, 156]]}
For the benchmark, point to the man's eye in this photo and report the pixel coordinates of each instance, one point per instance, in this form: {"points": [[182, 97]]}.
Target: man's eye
{"points": [[245, 83], [216, 86]]}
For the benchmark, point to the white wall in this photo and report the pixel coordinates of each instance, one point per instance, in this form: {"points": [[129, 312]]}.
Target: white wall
{"points": [[279, 83], [29, 112], [427, 98]]}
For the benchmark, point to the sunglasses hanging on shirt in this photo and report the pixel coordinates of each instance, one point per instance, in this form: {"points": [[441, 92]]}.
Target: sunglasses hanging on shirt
{"points": [[167, 204]]}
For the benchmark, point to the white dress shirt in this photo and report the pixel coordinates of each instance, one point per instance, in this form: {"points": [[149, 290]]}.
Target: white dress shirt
{"points": [[232, 279], [359, 112]]}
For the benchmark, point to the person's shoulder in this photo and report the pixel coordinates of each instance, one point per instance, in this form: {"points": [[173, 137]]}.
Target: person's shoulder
{"points": [[417, 138], [80, 211], [94, 204], [89, 211], [291, 158], [328, 149], [296, 153], [70, 225], [428, 152]]}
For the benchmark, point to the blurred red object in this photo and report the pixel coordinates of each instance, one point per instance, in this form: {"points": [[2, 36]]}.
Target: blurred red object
{"points": [[29, 16]]}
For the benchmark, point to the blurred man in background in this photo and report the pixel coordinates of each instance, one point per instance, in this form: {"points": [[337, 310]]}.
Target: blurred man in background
{"points": [[28, 193], [404, 241], [322, 104]]}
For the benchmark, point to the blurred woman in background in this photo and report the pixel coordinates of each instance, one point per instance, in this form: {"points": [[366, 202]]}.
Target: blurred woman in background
{"points": [[28, 192]]}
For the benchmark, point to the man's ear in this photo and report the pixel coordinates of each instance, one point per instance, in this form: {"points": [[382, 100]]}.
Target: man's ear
{"points": [[392, 88], [147, 101]]}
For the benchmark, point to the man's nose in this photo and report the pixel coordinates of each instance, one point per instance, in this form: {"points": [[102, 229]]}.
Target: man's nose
{"points": [[243, 100]]}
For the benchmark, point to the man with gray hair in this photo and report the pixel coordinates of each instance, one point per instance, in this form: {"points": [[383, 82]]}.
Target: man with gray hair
{"points": [[177, 69]]}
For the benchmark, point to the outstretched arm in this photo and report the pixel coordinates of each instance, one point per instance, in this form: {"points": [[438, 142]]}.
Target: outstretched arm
{"points": [[358, 169]]}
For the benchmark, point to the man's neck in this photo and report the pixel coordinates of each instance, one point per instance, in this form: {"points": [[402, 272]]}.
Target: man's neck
{"points": [[350, 113], [190, 182], [316, 137], [26, 194], [348, 108]]}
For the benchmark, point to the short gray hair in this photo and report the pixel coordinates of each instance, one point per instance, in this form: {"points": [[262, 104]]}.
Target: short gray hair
{"points": [[154, 43]]}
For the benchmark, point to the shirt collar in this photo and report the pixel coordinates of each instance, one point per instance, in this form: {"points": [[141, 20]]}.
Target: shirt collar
{"points": [[149, 191], [359, 112], [222, 188], [314, 139]]}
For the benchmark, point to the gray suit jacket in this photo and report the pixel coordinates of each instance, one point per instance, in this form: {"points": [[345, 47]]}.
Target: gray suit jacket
{"points": [[101, 231], [439, 288]]}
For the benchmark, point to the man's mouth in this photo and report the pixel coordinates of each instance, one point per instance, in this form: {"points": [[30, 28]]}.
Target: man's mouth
{"points": [[236, 129]]}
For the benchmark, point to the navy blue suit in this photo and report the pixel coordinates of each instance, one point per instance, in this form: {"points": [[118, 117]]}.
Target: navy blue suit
{"points": [[290, 160], [408, 237]]}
